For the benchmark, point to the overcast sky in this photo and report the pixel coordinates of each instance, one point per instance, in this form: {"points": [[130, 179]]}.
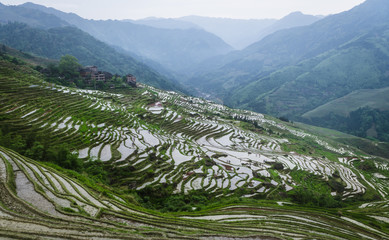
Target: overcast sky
{"points": [[244, 9]]}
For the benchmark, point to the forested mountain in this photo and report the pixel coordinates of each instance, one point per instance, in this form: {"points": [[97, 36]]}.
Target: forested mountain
{"points": [[294, 91], [175, 49], [358, 64], [297, 70], [291, 46], [56, 42]]}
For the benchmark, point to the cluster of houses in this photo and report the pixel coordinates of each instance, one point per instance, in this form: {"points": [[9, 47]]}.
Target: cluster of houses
{"points": [[90, 73]]}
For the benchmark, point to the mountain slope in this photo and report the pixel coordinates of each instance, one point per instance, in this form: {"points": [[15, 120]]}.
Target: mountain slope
{"points": [[359, 64], [364, 113], [25, 57], [297, 70], [175, 49], [295, 91], [374, 98], [39, 201], [56, 42]]}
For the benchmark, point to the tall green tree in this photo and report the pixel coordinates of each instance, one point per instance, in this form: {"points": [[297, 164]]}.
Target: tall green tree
{"points": [[69, 67]]}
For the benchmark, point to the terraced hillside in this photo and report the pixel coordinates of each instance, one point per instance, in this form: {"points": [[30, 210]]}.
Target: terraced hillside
{"points": [[153, 140], [39, 201]]}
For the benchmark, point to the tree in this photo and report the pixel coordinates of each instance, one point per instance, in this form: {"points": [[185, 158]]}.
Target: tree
{"points": [[101, 85], [3, 50], [69, 67], [118, 81], [36, 151], [283, 118], [53, 70]]}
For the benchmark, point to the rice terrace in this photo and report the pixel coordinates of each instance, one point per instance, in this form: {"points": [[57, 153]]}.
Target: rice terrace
{"points": [[122, 151], [190, 151]]}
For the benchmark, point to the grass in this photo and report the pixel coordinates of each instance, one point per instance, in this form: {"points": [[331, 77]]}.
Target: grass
{"points": [[307, 146], [374, 98]]}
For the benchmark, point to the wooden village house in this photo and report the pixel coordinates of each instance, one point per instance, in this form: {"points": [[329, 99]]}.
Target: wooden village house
{"points": [[131, 79], [91, 73]]}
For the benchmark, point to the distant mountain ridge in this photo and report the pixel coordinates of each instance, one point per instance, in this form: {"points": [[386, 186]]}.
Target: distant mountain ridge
{"points": [[175, 49], [294, 19], [31, 16], [241, 33], [238, 33], [177, 44], [168, 23]]}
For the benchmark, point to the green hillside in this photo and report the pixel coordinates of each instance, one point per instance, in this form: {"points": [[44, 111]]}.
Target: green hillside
{"points": [[57, 42], [364, 113], [143, 163], [374, 98], [292, 91], [16, 55]]}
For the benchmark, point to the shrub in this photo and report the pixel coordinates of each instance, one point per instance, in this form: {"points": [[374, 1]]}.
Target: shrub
{"points": [[335, 185]]}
